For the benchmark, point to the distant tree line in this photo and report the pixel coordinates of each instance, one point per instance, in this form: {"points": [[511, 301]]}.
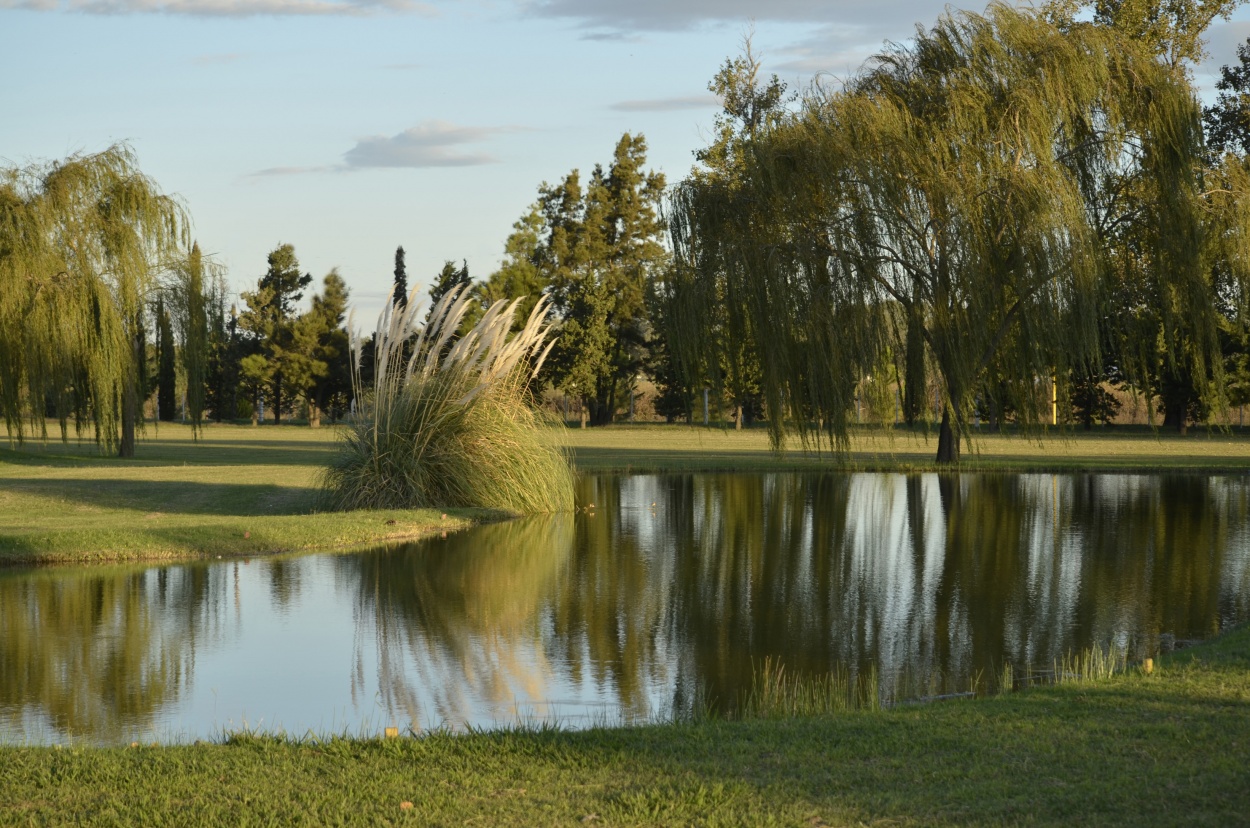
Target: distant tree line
{"points": [[1016, 207]]}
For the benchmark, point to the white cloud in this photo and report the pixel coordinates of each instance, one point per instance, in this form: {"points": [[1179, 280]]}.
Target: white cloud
{"points": [[671, 15], [837, 51], [226, 8], [429, 144], [1223, 38], [275, 171], [669, 104]]}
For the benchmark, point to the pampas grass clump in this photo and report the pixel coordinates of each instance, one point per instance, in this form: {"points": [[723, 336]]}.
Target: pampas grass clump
{"points": [[449, 421]]}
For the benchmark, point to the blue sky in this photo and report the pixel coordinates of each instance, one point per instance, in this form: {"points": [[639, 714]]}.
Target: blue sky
{"points": [[348, 127]]}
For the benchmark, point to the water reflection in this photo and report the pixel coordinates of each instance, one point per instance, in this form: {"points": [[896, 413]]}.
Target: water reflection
{"points": [[461, 622], [674, 589], [97, 654]]}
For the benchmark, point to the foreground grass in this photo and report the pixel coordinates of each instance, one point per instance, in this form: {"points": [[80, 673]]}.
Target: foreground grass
{"points": [[1163, 749], [235, 491], [244, 491]]}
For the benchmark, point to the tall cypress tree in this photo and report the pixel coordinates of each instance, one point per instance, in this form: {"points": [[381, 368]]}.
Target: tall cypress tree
{"points": [[166, 372], [399, 295]]}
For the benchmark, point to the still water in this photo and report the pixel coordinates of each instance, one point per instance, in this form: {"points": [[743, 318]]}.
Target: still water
{"points": [[668, 593]]}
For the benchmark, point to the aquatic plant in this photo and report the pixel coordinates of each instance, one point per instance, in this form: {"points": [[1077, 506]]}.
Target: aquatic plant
{"points": [[776, 694], [448, 419]]}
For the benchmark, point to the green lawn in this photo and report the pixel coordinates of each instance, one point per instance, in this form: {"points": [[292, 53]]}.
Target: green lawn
{"points": [[1165, 749], [234, 491], [1129, 448], [239, 490]]}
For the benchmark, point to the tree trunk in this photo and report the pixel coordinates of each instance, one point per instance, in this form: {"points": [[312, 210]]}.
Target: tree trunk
{"points": [[1174, 411], [127, 446], [948, 445], [582, 414], [314, 415], [738, 418], [130, 400], [277, 398]]}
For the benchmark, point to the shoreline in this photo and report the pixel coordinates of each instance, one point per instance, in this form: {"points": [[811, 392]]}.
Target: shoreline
{"points": [[1089, 752], [237, 491]]}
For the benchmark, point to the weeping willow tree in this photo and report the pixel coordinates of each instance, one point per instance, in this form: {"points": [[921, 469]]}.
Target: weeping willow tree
{"points": [[82, 242], [936, 210]]}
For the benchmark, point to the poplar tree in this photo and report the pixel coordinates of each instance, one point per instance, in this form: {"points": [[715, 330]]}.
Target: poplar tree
{"points": [[193, 322]]}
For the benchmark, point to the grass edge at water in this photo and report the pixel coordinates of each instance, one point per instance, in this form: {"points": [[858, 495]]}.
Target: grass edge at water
{"points": [[1165, 749]]}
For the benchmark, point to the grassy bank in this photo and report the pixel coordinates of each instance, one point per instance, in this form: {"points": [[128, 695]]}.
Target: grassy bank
{"points": [[1162, 749], [244, 491], [647, 448], [235, 491]]}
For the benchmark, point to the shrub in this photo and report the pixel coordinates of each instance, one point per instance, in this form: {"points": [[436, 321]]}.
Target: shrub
{"points": [[449, 420]]}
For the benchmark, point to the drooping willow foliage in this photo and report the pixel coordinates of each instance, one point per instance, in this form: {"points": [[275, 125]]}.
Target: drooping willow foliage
{"points": [[82, 242], [950, 206]]}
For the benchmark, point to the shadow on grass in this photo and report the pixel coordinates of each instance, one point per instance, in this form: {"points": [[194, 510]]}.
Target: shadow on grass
{"points": [[259, 450], [171, 497], [1100, 757]]}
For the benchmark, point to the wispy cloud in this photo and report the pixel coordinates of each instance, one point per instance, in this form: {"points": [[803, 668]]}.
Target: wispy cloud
{"points": [[276, 171], [837, 50], [429, 144], [668, 104], [1222, 42], [673, 15], [227, 8], [610, 37]]}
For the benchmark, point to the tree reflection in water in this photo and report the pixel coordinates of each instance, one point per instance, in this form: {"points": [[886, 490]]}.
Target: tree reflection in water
{"points": [[689, 582], [674, 589], [95, 653]]}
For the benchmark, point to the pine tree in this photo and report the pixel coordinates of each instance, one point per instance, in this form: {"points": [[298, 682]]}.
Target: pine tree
{"points": [[322, 344], [601, 251], [270, 319], [447, 280]]}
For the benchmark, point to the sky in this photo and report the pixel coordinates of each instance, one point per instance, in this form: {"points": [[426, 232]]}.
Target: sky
{"points": [[349, 127]]}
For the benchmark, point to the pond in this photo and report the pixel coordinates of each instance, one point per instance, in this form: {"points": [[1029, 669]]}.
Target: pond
{"points": [[669, 593]]}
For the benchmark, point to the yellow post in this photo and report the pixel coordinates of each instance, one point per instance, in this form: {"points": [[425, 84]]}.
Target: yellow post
{"points": [[1054, 399]]}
